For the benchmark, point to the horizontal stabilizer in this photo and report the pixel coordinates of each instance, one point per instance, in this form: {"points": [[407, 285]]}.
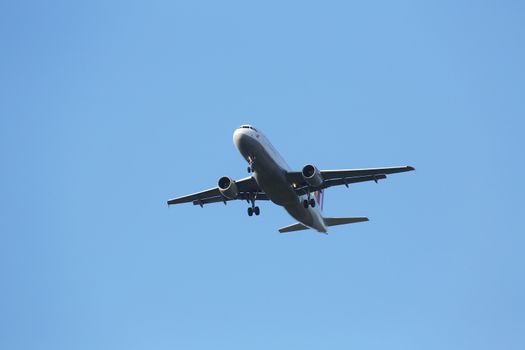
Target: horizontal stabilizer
{"points": [[294, 227], [343, 221]]}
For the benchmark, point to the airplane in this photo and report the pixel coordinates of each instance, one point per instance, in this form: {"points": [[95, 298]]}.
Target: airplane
{"points": [[299, 192]]}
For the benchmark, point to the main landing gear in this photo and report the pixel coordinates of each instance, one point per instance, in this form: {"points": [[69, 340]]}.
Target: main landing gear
{"points": [[253, 209], [309, 202]]}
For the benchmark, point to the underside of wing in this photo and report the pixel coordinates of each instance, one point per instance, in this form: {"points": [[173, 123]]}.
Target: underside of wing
{"points": [[337, 182], [212, 192], [342, 177], [348, 173], [260, 196], [247, 188]]}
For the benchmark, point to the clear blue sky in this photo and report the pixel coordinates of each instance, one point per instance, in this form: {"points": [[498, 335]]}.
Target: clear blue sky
{"points": [[108, 108]]}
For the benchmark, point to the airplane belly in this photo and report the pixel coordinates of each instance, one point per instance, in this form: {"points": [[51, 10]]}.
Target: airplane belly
{"points": [[271, 178], [276, 188], [298, 212]]}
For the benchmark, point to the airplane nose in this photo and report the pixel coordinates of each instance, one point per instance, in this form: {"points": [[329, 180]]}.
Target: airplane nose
{"points": [[242, 139], [238, 136]]}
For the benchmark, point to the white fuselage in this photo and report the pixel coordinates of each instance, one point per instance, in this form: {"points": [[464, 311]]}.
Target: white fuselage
{"points": [[269, 170]]}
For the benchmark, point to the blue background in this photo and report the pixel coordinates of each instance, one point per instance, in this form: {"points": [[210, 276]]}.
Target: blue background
{"points": [[110, 108]]}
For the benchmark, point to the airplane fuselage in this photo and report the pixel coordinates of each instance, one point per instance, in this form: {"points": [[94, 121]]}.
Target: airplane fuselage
{"points": [[269, 170]]}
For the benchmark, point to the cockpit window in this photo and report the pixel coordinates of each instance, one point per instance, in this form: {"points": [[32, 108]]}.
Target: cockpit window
{"points": [[248, 127]]}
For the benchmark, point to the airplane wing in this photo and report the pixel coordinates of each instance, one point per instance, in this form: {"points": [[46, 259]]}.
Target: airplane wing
{"points": [[334, 174], [246, 186], [343, 177]]}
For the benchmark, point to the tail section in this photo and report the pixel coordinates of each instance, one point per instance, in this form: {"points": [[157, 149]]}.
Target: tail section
{"points": [[343, 221], [327, 221], [294, 227]]}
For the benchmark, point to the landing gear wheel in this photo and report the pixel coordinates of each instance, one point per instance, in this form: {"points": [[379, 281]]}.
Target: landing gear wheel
{"points": [[305, 203], [249, 169], [257, 211], [312, 202], [250, 211]]}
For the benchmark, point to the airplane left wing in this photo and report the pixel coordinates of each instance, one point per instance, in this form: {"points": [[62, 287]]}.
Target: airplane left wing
{"points": [[349, 173], [342, 177], [247, 186]]}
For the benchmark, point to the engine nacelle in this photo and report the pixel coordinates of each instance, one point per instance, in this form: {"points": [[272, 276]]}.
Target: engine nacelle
{"points": [[312, 175], [228, 187]]}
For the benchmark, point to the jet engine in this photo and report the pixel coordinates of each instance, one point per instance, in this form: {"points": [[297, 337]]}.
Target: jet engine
{"points": [[312, 175], [228, 187]]}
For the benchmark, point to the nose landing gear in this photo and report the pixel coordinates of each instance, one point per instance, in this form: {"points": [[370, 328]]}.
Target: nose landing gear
{"points": [[251, 160]]}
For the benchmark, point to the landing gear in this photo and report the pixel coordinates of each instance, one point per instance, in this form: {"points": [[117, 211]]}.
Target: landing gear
{"points": [[251, 160], [253, 209], [309, 203]]}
